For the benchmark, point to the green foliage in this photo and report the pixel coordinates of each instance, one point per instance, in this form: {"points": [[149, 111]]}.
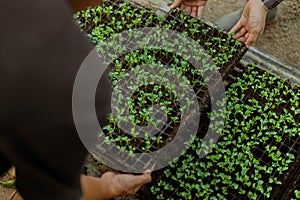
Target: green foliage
{"points": [[8, 184], [232, 164], [104, 22], [297, 194]]}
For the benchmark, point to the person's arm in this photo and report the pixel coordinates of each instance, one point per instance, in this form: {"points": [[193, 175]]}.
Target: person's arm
{"points": [[194, 8], [112, 185]]}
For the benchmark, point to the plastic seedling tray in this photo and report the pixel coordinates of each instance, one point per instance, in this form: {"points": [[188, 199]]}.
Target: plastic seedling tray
{"points": [[112, 17], [263, 185], [226, 52]]}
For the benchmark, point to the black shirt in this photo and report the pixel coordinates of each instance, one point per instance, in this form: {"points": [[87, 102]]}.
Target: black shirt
{"points": [[41, 50]]}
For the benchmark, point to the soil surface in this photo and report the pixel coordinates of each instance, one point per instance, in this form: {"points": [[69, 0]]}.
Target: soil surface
{"points": [[280, 39]]}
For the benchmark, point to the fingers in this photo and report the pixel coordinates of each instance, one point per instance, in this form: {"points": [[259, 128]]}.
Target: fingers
{"points": [[182, 7], [248, 37], [152, 168], [200, 12], [252, 38], [188, 9], [146, 176], [242, 39], [256, 31], [138, 184], [237, 27], [110, 174], [140, 180], [149, 171], [176, 4], [129, 184], [240, 33], [194, 12]]}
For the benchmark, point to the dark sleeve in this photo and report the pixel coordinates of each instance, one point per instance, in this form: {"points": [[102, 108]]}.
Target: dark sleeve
{"points": [[41, 50], [269, 4], [4, 164]]}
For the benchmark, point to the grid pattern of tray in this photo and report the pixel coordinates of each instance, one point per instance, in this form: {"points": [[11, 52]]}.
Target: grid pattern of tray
{"points": [[287, 145], [212, 39]]}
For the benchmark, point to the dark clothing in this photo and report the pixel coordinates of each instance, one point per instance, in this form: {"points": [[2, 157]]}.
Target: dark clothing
{"points": [[41, 50], [269, 4]]}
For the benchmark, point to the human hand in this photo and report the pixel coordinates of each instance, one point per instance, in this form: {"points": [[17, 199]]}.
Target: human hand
{"points": [[127, 184], [194, 8], [252, 23]]}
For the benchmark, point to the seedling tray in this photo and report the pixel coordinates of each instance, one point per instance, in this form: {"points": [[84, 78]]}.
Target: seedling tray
{"points": [[282, 140], [226, 52], [213, 39], [289, 144], [113, 17]]}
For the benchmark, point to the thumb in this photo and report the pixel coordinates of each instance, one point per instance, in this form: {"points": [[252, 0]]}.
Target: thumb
{"points": [[177, 3], [143, 178], [134, 183]]}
